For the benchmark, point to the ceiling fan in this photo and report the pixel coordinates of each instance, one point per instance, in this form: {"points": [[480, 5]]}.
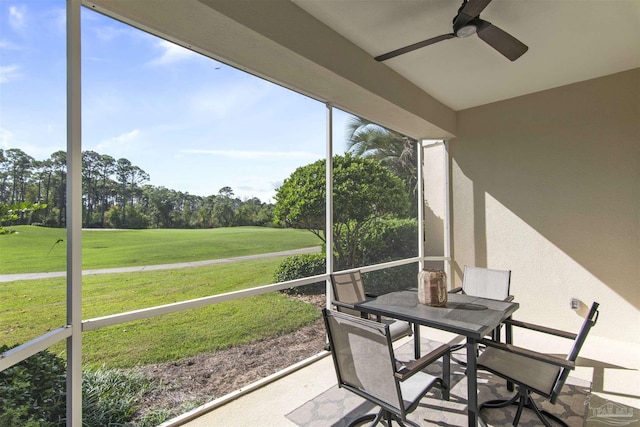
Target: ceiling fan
{"points": [[466, 23]]}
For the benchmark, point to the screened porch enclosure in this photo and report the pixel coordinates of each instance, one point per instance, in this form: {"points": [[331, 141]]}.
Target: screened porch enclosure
{"points": [[543, 184], [133, 320]]}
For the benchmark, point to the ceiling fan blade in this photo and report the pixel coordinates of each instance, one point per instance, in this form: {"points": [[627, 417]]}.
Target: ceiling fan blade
{"points": [[413, 47], [503, 42], [473, 8]]}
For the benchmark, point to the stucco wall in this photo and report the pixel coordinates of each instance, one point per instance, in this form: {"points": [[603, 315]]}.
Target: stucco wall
{"points": [[548, 185]]}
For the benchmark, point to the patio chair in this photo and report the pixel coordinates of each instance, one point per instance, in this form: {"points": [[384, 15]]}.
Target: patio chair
{"points": [[365, 364], [534, 372], [348, 289], [485, 283]]}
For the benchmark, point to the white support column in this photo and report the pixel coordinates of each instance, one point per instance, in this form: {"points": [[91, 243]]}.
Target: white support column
{"points": [[447, 215], [421, 235], [329, 203], [74, 216], [443, 202]]}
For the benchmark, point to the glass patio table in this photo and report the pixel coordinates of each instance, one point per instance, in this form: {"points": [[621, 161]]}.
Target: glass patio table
{"points": [[466, 315]]}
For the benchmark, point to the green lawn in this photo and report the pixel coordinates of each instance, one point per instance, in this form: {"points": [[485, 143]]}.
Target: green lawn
{"points": [[30, 308], [34, 249]]}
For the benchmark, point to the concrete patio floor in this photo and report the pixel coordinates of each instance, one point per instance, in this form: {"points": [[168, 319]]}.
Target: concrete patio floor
{"points": [[612, 368]]}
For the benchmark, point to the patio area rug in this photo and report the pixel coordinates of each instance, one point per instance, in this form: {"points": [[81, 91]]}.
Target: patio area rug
{"points": [[337, 407]]}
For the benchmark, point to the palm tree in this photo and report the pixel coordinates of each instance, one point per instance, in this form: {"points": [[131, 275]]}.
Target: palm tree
{"points": [[394, 150]]}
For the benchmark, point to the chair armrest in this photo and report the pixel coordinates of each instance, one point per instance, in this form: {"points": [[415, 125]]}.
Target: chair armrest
{"points": [[343, 304], [547, 358], [539, 328], [455, 290], [352, 307], [417, 365], [509, 298]]}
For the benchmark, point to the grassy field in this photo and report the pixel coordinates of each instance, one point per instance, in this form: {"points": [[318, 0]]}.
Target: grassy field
{"points": [[34, 249], [30, 308]]}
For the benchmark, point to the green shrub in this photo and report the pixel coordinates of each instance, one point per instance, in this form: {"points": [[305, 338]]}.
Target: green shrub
{"points": [[381, 240], [109, 397], [300, 266], [155, 417], [386, 239], [391, 279], [32, 392]]}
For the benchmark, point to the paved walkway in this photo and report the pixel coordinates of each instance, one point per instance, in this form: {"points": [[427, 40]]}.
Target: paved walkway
{"points": [[34, 276]]}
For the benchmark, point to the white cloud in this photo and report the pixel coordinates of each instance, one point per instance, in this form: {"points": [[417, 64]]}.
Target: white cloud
{"points": [[5, 44], [234, 99], [108, 33], [240, 154], [58, 20], [5, 138], [171, 53], [118, 144], [9, 73], [17, 17], [20, 139]]}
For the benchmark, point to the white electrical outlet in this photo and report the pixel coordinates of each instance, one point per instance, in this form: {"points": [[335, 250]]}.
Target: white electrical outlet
{"points": [[575, 304]]}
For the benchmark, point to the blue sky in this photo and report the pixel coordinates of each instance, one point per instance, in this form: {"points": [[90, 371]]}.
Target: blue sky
{"points": [[192, 123]]}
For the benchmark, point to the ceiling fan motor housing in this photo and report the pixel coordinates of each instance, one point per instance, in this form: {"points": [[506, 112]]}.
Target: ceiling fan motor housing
{"points": [[466, 31], [465, 25]]}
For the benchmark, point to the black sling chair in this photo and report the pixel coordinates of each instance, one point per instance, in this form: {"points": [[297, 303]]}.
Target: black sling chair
{"points": [[533, 372]]}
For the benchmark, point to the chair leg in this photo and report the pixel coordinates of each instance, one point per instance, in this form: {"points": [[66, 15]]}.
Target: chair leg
{"points": [[359, 420], [553, 417], [388, 419], [405, 422], [523, 400], [531, 404], [521, 403], [500, 403], [495, 334], [455, 359]]}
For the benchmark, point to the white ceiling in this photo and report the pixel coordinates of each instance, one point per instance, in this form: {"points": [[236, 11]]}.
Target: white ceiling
{"points": [[325, 49], [569, 41]]}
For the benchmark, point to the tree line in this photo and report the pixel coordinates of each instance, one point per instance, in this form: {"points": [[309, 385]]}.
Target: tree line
{"points": [[116, 194]]}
